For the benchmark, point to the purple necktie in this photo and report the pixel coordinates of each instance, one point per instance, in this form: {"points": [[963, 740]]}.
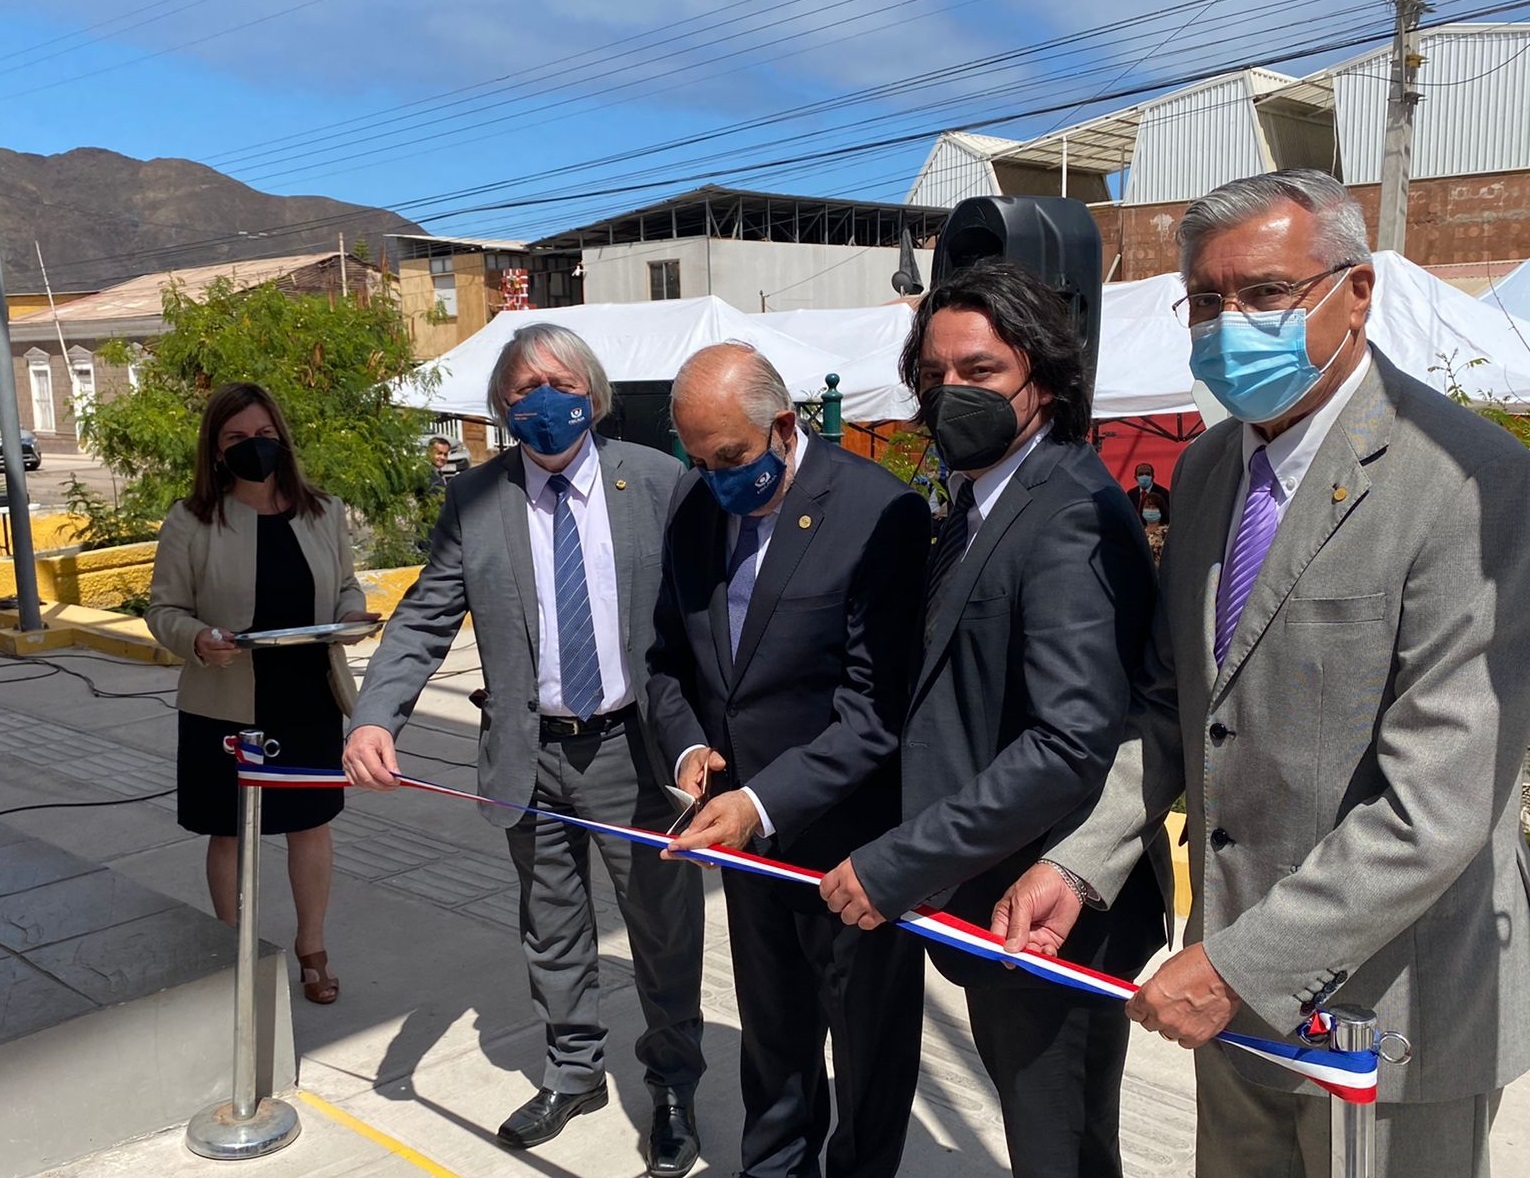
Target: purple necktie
{"points": [[1255, 531]]}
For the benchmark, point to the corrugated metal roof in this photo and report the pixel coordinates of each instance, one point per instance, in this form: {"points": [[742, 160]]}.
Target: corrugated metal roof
{"points": [[144, 296], [983, 145], [1475, 82], [488, 243], [1194, 140], [954, 172]]}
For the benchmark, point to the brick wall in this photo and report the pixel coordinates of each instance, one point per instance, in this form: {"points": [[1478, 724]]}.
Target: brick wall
{"points": [[1452, 219]]}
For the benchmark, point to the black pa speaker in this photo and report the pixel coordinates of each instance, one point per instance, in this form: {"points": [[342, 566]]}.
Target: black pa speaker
{"points": [[1054, 237]]}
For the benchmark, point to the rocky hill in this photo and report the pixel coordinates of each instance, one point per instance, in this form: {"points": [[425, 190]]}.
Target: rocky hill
{"points": [[102, 218]]}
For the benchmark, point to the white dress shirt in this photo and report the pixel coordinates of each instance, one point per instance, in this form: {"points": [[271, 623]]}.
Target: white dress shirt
{"points": [[587, 499], [767, 528], [989, 485], [1292, 452]]}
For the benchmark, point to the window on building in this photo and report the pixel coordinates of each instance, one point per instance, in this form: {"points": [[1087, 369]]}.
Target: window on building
{"points": [[446, 294], [497, 261], [42, 394], [664, 279], [442, 264], [84, 369], [135, 367]]}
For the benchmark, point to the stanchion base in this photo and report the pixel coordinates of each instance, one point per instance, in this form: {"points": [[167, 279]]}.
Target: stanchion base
{"points": [[213, 1132]]}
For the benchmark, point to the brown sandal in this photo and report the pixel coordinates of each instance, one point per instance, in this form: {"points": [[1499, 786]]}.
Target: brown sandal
{"points": [[319, 985]]}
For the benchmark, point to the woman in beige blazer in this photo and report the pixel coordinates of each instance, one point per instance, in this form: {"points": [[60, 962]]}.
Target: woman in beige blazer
{"points": [[255, 547]]}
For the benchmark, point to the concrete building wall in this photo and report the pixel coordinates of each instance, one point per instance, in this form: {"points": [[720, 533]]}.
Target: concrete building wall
{"points": [[792, 276]]}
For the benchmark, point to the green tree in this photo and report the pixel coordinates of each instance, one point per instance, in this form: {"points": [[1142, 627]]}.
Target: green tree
{"points": [[329, 363]]}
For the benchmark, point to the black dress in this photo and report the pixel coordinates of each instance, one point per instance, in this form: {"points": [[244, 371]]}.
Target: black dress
{"points": [[293, 705]]}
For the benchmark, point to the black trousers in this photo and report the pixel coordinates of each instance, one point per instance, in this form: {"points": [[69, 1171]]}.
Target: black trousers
{"points": [[1056, 1057], [801, 974]]}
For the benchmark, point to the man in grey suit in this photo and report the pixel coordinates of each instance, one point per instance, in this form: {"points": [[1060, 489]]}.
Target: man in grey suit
{"points": [[554, 547], [1337, 682]]}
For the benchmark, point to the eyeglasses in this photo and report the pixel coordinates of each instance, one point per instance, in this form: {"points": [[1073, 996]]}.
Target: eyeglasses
{"points": [[1259, 296]]}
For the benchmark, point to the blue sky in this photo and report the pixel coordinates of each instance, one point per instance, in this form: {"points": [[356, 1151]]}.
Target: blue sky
{"points": [[409, 105]]}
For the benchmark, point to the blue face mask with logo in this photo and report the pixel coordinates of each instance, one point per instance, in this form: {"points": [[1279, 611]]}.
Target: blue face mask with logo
{"points": [[548, 421], [743, 490], [1255, 362]]}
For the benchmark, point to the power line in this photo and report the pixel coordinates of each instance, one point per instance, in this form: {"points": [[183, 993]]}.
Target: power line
{"points": [[630, 47], [34, 61], [1288, 52], [106, 69]]}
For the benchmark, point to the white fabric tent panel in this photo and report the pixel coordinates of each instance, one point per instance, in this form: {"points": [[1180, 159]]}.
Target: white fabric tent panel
{"points": [[1144, 364], [1512, 293]]}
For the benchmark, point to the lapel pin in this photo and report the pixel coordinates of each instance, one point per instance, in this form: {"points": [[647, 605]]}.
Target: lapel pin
{"points": [[1340, 494], [621, 484], [805, 521]]}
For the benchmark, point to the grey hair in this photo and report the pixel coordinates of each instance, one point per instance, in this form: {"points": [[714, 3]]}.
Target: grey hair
{"points": [[560, 345], [1340, 235], [762, 394], [439, 440]]}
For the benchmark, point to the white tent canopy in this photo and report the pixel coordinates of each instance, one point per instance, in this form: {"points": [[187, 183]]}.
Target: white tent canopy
{"points": [[1512, 293], [1144, 366], [649, 341]]}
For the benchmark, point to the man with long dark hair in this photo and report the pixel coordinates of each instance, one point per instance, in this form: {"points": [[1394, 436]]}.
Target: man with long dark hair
{"points": [[1037, 602]]}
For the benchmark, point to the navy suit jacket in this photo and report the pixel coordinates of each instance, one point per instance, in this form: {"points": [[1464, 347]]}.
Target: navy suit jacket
{"points": [[808, 715], [1018, 708]]}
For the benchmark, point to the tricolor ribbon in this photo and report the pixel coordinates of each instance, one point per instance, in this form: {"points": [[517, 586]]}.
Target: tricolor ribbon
{"points": [[1349, 1075]]}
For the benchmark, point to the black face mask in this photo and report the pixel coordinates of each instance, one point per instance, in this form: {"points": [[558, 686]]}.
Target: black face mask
{"points": [[972, 427], [254, 459]]}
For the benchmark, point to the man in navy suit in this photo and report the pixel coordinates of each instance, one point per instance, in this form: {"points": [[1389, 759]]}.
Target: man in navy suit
{"points": [[1039, 595], [777, 684]]}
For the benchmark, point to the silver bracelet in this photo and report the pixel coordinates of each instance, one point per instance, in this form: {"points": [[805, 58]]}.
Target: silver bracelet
{"points": [[1081, 891]]}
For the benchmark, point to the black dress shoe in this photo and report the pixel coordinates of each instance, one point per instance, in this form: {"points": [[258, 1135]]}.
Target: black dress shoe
{"points": [[673, 1143], [543, 1116]]}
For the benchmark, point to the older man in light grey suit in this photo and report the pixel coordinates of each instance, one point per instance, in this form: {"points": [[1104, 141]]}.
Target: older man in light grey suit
{"points": [[1337, 681], [554, 548]]}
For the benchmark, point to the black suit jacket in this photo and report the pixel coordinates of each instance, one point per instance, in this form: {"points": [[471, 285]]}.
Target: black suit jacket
{"points": [[1018, 709], [808, 717]]}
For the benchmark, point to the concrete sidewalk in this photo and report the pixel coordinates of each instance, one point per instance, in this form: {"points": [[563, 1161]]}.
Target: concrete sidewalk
{"points": [[433, 1042]]}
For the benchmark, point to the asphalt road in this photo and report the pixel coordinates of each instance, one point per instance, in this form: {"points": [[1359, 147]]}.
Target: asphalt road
{"points": [[47, 487]]}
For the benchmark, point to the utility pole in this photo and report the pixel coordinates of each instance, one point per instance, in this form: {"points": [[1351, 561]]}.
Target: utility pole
{"points": [[344, 291], [16, 478], [1397, 160]]}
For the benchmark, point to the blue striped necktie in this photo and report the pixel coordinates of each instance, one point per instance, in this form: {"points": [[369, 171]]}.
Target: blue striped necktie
{"points": [[578, 659], [741, 576]]}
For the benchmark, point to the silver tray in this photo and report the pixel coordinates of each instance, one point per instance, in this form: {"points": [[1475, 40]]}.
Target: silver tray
{"points": [[298, 635]]}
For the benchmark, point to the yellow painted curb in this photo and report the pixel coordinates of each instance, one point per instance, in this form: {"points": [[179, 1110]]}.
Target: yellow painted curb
{"points": [[1180, 857], [120, 635], [377, 1136]]}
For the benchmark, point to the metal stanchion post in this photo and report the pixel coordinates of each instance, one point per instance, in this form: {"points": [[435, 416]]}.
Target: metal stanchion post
{"points": [[1352, 1144], [247, 1126]]}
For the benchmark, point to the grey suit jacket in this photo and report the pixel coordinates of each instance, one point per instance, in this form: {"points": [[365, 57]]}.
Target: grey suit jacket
{"points": [[480, 562], [1352, 770]]}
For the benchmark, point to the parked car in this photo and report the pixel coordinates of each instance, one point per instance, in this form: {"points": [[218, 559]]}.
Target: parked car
{"points": [[31, 452]]}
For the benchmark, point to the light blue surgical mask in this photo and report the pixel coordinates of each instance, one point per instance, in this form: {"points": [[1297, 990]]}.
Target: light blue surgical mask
{"points": [[1255, 362], [1145, 481], [743, 490]]}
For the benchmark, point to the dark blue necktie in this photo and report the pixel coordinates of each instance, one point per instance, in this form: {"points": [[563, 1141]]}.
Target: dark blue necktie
{"points": [[578, 659], [741, 575], [950, 547]]}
